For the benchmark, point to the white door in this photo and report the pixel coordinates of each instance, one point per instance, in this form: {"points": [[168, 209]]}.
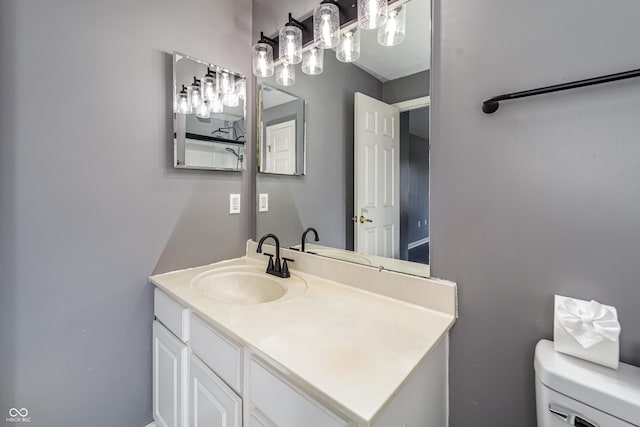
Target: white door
{"points": [[169, 378], [213, 403], [281, 148], [376, 177]]}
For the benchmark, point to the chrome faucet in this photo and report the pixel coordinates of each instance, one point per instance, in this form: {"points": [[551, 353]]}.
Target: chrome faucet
{"points": [[304, 237], [275, 268]]}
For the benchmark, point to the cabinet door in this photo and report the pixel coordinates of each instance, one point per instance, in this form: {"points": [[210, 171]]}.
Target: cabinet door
{"points": [[169, 378], [213, 403], [258, 419]]}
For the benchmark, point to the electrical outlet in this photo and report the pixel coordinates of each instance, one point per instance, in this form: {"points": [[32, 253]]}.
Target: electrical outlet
{"points": [[263, 202], [234, 204]]}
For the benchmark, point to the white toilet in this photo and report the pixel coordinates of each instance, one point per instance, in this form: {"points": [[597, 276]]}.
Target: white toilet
{"points": [[574, 392]]}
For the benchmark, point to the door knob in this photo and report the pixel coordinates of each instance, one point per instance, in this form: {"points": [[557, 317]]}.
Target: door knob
{"points": [[363, 219]]}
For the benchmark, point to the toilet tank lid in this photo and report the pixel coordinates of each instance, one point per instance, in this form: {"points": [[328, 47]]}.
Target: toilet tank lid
{"points": [[614, 392]]}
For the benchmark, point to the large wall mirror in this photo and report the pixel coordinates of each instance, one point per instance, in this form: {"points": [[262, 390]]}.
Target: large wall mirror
{"points": [[366, 185], [209, 120]]}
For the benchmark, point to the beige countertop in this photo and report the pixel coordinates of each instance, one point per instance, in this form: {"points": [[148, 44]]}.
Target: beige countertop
{"points": [[353, 347]]}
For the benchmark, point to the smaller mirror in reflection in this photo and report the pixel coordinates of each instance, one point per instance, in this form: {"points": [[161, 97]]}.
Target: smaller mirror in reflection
{"points": [[281, 136], [209, 116]]}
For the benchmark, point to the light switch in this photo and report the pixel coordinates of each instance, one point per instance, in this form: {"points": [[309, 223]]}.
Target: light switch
{"points": [[263, 202], [234, 203]]}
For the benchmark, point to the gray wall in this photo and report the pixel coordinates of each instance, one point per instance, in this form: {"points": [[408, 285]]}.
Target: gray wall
{"points": [[542, 197], [418, 188], [405, 88], [293, 110], [323, 198], [90, 204]]}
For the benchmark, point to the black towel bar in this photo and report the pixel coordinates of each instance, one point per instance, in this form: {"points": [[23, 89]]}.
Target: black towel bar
{"points": [[491, 105]]}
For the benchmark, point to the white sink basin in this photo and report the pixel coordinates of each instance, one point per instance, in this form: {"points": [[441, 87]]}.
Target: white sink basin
{"points": [[244, 284]]}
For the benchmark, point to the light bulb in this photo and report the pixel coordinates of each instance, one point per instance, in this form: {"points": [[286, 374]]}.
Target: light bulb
{"points": [[326, 26], [313, 61]]}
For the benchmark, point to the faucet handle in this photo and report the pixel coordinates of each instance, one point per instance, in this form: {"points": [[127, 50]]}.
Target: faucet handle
{"points": [[285, 267], [270, 265]]}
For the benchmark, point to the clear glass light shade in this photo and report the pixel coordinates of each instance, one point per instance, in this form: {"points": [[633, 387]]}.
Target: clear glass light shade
{"points": [[326, 26], [285, 75], [183, 103], [209, 87], [195, 95], [226, 82], [203, 110], [291, 44], [372, 13], [216, 106], [313, 61], [349, 48], [262, 60], [393, 31], [242, 89]]}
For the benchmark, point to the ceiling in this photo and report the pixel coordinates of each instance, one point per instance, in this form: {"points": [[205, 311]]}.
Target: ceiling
{"points": [[272, 97], [409, 57]]}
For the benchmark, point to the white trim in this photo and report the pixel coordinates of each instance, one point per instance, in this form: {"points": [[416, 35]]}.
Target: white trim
{"points": [[417, 243], [153, 424], [413, 104]]}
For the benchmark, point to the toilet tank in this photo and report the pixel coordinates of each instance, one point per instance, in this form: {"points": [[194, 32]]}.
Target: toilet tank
{"points": [[574, 392]]}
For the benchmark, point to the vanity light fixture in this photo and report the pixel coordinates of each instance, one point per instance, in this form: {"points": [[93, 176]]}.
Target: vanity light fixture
{"points": [[184, 103], [326, 25], [393, 31], [231, 99], [290, 41], [313, 61], [263, 57], [285, 74], [349, 48], [195, 93], [372, 13]]}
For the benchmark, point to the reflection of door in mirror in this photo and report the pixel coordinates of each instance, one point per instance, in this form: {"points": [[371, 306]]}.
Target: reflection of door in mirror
{"points": [[281, 148], [376, 177]]}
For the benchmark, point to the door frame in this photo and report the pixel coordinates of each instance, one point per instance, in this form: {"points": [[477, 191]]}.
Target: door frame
{"points": [[413, 104]]}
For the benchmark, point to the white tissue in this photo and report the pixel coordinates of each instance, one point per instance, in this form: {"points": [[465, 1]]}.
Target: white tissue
{"points": [[588, 330], [588, 322]]}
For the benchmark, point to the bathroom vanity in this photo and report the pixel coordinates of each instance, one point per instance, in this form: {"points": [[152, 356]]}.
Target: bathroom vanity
{"points": [[335, 345]]}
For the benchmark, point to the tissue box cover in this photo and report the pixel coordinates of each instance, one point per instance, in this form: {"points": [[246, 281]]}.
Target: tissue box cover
{"points": [[606, 353]]}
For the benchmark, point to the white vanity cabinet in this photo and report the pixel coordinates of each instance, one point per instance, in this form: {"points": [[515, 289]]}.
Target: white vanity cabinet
{"points": [[199, 381]]}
